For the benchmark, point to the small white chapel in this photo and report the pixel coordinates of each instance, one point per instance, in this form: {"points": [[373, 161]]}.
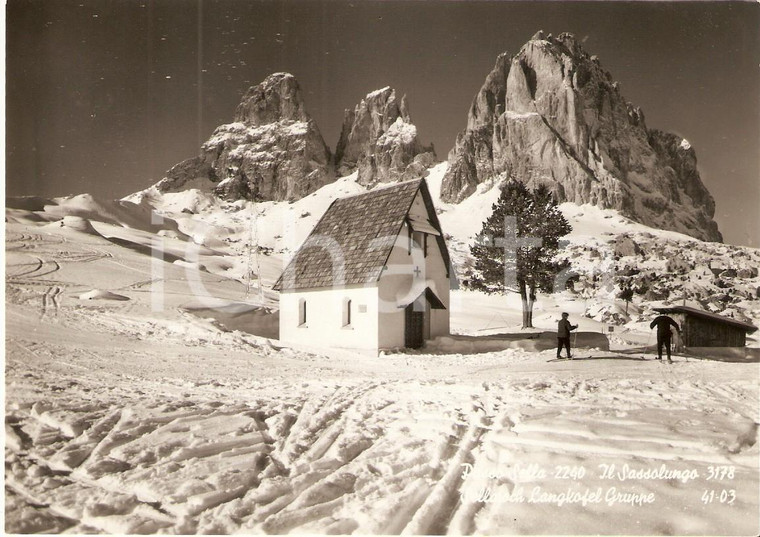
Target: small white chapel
{"points": [[374, 274]]}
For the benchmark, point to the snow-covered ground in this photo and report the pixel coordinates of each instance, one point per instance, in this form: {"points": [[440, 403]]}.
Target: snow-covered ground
{"points": [[135, 404]]}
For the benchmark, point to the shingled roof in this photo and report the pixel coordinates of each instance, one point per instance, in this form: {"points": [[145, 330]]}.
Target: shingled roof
{"points": [[356, 235]]}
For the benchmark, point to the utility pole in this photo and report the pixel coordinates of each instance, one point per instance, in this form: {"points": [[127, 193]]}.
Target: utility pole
{"points": [[258, 259], [253, 242]]}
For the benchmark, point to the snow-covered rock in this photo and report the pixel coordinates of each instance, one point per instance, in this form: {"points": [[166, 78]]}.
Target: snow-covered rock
{"points": [[272, 151], [625, 245], [101, 295], [380, 141], [659, 266]]}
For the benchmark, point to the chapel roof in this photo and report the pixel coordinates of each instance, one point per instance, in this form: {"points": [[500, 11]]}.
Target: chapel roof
{"points": [[356, 235]]}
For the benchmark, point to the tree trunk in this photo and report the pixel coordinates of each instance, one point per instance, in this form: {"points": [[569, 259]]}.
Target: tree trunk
{"points": [[531, 301], [527, 304], [527, 316], [626, 307]]}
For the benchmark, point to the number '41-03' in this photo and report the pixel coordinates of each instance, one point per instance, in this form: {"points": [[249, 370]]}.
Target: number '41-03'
{"points": [[723, 496]]}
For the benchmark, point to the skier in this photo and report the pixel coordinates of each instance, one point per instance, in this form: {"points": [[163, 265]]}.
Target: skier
{"points": [[663, 323], [563, 335]]}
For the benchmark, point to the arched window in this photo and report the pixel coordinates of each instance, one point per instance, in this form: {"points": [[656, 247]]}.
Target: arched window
{"points": [[346, 312], [301, 312]]}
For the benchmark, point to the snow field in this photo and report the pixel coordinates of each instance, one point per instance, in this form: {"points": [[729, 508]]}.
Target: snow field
{"points": [[375, 456], [136, 416]]}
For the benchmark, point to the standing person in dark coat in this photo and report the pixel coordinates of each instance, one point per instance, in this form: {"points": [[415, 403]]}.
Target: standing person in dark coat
{"points": [[563, 335], [663, 323]]}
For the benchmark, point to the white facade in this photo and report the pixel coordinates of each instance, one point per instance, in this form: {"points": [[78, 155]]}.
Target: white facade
{"points": [[325, 324], [401, 284], [377, 315]]}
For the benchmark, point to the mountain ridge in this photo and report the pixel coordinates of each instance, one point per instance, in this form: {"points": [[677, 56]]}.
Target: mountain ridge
{"points": [[548, 115], [273, 150]]}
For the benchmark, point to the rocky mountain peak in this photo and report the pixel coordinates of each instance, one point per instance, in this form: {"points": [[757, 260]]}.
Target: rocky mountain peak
{"points": [[379, 140], [272, 151], [277, 98], [552, 115]]}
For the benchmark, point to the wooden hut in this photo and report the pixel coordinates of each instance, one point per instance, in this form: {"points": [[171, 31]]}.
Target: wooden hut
{"points": [[701, 328]]}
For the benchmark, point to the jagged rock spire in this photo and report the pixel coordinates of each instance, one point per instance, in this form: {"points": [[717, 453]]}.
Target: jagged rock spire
{"points": [[379, 140]]}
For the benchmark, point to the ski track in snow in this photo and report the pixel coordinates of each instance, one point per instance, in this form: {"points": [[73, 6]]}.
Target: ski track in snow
{"points": [[122, 419], [122, 453]]}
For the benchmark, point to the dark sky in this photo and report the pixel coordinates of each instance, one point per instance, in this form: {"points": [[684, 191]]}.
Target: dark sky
{"points": [[104, 96]]}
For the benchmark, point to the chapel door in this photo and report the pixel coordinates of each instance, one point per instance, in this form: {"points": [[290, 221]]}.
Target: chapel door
{"points": [[414, 326]]}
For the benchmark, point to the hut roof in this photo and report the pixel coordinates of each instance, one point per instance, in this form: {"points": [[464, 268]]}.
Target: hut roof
{"points": [[708, 316], [352, 241]]}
